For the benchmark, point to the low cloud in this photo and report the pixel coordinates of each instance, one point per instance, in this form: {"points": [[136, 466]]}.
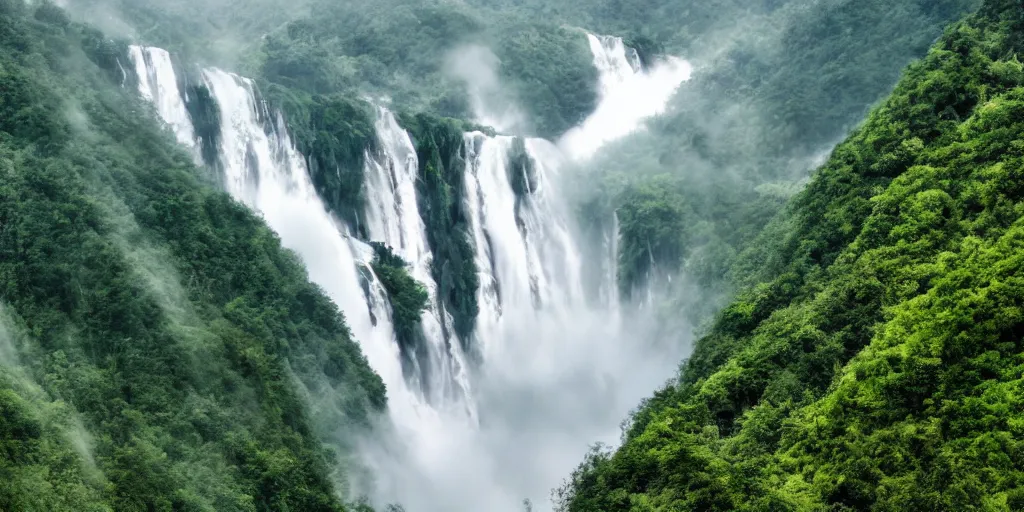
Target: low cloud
{"points": [[477, 67]]}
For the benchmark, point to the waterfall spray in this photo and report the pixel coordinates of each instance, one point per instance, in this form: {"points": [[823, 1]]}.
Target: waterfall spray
{"points": [[557, 371], [158, 84]]}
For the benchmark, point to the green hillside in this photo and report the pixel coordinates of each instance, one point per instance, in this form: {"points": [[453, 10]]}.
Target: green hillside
{"points": [[159, 347], [875, 362]]}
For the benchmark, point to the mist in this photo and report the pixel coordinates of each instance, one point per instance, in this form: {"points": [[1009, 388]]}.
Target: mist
{"points": [[8, 350], [60, 423], [552, 380], [557, 371], [476, 66], [547, 392]]}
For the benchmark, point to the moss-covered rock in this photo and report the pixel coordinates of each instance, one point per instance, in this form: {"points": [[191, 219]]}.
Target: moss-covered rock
{"points": [[334, 133]]}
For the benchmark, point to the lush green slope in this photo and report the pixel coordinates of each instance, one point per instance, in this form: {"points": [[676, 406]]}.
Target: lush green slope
{"points": [[878, 362], [160, 350]]}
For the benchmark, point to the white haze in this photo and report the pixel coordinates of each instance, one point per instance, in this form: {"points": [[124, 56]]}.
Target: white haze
{"points": [[559, 370], [8, 351], [627, 98], [477, 67], [54, 414]]}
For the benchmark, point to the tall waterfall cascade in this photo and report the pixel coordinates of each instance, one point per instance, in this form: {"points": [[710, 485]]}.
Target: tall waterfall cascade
{"points": [[263, 170], [556, 371], [393, 217], [529, 262]]}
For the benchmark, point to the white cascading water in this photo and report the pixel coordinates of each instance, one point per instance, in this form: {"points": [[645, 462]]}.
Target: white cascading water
{"points": [[627, 96], [263, 170], [558, 372], [616, 62], [528, 260], [158, 84], [393, 217]]}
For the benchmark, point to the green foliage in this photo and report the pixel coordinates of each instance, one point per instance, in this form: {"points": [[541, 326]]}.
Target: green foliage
{"points": [[38, 453], [212, 32], [877, 362], [348, 44], [653, 223], [407, 296], [665, 228], [552, 73], [170, 346]]}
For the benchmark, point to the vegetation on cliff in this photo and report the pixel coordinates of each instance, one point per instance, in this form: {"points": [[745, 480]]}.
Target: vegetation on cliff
{"points": [[159, 347], [439, 148], [408, 297], [874, 361]]}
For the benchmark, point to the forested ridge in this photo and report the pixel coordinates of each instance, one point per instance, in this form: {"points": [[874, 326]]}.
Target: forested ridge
{"points": [[160, 350], [874, 361]]}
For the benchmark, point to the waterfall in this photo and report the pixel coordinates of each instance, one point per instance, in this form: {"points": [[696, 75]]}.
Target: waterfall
{"points": [[393, 217], [158, 84], [557, 371], [628, 95], [263, 170], [502, 251], [616, 63], [527, 259]]}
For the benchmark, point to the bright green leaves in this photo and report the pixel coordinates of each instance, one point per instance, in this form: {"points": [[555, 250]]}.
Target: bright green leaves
{"points": [[936, 392], [879, 366]]}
